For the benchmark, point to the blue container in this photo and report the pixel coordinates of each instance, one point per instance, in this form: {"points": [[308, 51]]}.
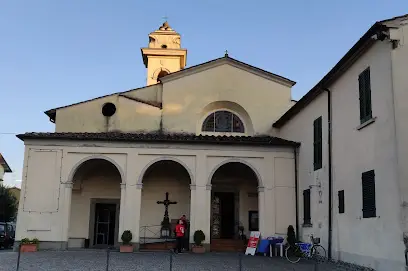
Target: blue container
{"points": [[263, 246]]}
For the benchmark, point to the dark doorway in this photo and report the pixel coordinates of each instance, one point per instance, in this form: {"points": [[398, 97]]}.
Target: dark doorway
{"points": [[227, 214], [105, 218]]}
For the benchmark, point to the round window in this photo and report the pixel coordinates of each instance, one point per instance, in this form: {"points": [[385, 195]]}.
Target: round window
{"points": [[108, 109]]}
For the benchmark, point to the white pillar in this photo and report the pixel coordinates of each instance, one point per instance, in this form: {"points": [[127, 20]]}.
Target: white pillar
{"points": [[201, 206], [132, 211], [193, 216], [122, 211], [261, 211], [66, 212]]}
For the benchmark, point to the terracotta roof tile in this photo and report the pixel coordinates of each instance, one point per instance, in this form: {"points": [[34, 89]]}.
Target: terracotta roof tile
{"points": [[181, 138]]}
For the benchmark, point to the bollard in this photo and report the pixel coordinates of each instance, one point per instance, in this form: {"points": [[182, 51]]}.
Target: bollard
{"points": [[18, 257], [240, 261], [171, 260], [107, 259]]}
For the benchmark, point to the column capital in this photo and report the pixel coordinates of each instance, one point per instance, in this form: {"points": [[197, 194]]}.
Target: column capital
{"points": [[69, 185], [261, 189], [139, 186], [122, 185], [208, 186], [193, 187]]}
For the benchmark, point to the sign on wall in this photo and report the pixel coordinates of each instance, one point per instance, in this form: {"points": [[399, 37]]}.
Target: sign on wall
{"points": [[253, 243]]}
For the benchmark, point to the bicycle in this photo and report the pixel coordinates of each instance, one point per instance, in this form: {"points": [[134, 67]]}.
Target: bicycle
{"points": [[314, 252]]}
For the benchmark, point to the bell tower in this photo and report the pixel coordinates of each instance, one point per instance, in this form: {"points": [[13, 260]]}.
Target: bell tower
{"points": [[164, 54]]}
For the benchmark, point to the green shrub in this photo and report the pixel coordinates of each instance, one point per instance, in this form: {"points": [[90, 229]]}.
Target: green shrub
{"points": [[127, 237], [199, 237]]}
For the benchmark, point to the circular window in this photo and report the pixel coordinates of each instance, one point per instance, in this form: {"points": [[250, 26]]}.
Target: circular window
{"points": [[108, 109], [164, 46]]}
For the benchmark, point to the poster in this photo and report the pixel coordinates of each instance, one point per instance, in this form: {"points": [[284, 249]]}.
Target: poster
{"points": [[253, 243]]}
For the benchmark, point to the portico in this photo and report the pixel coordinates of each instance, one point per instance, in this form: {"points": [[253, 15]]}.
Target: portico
{"points": [[124, 180]]}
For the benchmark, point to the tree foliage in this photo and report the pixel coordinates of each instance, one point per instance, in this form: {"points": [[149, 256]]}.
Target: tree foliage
{"points": [[8, 204]]}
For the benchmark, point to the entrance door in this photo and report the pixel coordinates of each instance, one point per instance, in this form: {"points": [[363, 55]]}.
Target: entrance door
{"points": [[226, 214], [105, 218]]}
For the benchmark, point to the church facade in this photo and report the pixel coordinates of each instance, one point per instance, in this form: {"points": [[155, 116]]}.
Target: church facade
{"points": [[225, 144]]}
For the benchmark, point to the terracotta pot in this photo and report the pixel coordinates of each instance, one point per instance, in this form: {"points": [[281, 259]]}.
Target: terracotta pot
{"points": [[28, 248], [198, 249], [126, 248]]}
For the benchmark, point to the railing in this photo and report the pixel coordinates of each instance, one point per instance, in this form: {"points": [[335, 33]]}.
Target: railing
{"points": [[152, 234]]}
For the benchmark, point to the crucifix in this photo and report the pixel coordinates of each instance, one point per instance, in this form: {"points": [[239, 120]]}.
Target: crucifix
{"points": [[165, 229]]}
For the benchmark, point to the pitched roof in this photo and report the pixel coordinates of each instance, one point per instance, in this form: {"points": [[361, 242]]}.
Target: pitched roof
{"points": [[227, 60], [346, 61], [51, 112], [180, 138], [3, 162]]}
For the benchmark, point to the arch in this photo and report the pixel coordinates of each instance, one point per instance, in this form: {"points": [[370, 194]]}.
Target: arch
{"points": [[236, 160], [157, 72], [93, 157], [159, 159], [211, 120], [233, 107]]}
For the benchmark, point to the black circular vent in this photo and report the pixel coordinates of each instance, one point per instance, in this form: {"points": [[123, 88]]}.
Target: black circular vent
{"points": [[108, 109]]}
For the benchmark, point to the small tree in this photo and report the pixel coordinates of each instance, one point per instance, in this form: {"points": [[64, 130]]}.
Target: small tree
{"points": [[8, 204], [126, 237], [199, 237]]}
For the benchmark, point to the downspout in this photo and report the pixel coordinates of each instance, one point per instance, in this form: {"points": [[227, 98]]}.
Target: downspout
{"points": [[329, 130], [296, 191]]}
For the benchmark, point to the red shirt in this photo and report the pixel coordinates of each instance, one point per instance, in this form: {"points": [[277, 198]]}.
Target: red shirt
{"points": [[179, 230]]}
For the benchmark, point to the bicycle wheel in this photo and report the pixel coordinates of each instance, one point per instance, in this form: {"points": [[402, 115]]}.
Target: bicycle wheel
{"points": [[318, 253], [293, 254]]}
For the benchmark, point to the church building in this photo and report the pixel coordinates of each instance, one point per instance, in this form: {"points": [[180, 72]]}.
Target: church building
{"points": [[223, 143]]}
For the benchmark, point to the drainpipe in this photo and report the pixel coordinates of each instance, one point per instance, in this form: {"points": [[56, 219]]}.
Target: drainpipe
{"points": [[296, 192], [329, 113]]}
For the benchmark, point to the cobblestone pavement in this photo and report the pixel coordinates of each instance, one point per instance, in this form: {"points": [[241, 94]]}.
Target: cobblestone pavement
{"points": [[90, 260]]}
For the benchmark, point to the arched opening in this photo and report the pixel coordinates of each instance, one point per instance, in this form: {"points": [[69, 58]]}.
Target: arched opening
{"points": [[223, 121], [163, 180], [95, 205], [234, 203], [161, 74]]}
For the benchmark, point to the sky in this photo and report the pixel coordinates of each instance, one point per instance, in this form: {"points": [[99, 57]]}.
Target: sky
{"points": [[54, 53]]}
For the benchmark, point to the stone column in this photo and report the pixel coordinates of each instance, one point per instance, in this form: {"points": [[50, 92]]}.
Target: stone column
{"points": [[122, 211], [66, 213], [193, 214], [132, 214], [261, 210]]}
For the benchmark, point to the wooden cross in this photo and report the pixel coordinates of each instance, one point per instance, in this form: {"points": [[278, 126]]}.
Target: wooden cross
{"points": [[166, 204]]}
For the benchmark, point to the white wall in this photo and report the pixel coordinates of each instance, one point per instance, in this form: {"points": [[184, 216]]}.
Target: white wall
{"points": [[300, 129], [357, 239]]}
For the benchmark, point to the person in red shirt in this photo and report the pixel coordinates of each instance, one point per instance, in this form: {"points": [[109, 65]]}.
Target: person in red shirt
{"points": [[179, 236]]}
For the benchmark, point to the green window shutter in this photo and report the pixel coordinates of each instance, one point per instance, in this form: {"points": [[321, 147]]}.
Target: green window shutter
{"points": [[317, 144], [306, 207], [341, 201], [364, 86], [368, 189]]}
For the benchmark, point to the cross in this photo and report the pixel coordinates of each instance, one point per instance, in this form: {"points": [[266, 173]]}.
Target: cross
{"points": [[166, 204], [165, 18], [226, 52]]}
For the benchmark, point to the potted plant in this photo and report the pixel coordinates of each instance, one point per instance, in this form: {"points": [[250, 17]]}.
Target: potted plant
{"points": [[126, 242], [28, 245], [199, 237]]}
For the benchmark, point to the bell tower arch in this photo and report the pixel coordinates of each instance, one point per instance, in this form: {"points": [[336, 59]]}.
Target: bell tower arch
{"points": [[164, 54]]}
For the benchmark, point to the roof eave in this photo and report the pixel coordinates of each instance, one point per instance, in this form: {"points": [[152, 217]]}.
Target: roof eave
{"points": [[363, 43]]}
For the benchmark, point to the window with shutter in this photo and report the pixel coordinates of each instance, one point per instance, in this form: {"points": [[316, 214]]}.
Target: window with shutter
{"points": [[368, 189], [341, 201], [317, 144], [364, 85], [306, 207]]}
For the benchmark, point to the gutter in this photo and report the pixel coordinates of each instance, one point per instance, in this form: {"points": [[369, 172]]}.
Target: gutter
{"points": [[329, 130], [296, 191]]}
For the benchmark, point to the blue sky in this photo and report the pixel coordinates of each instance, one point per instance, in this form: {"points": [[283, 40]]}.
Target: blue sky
{"points": [[55, 53]]}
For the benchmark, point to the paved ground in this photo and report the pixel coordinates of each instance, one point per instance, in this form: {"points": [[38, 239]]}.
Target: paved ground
{"points": [[150, 261]]}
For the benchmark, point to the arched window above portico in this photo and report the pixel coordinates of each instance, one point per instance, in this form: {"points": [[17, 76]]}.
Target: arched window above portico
{"points": [[223, 121]]}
